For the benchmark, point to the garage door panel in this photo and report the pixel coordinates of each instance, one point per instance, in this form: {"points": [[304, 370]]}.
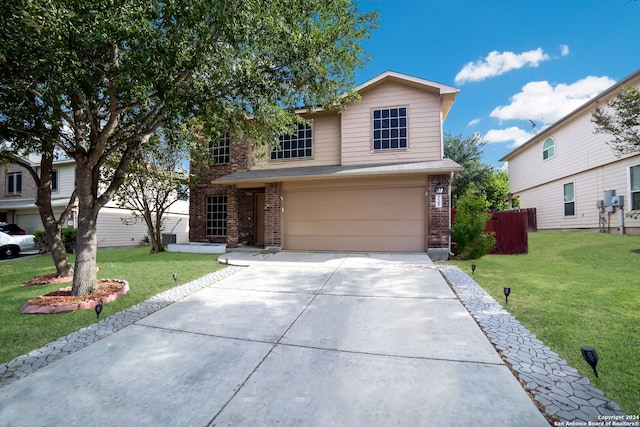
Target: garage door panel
{"points": [[364, 219], [355, 228]]}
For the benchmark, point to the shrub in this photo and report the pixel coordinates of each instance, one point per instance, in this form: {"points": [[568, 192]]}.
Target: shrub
{"points": [[469, 224], [68, 238]]}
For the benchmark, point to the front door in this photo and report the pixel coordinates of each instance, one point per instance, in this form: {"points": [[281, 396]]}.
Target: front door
{"points": [[258, 225]]}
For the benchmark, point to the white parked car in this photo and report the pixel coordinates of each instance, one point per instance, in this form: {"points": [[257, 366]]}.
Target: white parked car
{"points": [[11, 246]]}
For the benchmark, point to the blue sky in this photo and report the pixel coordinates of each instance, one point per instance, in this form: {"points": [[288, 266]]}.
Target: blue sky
{"points": [[513, 61]]}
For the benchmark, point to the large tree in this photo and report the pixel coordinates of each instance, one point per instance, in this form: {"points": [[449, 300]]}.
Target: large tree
{"points": [[621, 119], [96, 79]]}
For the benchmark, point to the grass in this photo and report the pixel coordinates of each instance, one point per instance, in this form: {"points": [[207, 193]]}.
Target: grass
{"points": [[577, 289], [147, 274]]}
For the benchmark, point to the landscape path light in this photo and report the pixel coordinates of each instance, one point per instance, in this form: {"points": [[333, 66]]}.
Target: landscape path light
{"points": [[507, 292], [591, 357]]}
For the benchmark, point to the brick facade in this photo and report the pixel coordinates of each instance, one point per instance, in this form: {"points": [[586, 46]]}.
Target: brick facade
{"points": [[29, 190], [204, 173], [273, 215], [438, 217]]}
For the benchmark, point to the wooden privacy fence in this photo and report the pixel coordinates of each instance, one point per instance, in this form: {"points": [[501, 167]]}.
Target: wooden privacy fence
{"points": [[510, 228]]}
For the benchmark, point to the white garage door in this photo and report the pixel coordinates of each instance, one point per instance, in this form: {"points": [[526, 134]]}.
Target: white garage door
{"points": [[355, 219]]}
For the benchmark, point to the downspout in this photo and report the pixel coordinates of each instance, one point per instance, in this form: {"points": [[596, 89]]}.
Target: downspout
{"points": [[450, 208]]}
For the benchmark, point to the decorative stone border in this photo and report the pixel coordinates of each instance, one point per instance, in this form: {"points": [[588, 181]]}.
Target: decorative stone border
{"points": [[84, 305], [566, 397]]}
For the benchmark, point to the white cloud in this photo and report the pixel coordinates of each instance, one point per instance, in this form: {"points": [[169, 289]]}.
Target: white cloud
{"points": [[473, 122], [564, 50], [497, 63], [512, 134], [542, 102]]}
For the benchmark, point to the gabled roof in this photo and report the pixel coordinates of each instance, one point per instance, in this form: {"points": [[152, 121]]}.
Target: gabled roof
{"points": [[600, 98], [447, 93]]}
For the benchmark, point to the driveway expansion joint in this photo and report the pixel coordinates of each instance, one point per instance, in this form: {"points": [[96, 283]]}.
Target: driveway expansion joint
{"points": [[564, 394]]}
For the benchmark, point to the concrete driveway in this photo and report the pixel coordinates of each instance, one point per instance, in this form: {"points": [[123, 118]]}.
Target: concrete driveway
{"points": [[296, 339]]}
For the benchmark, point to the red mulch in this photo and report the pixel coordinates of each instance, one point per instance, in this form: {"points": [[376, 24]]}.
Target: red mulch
{"points": [[62, 301], [48, 279]]}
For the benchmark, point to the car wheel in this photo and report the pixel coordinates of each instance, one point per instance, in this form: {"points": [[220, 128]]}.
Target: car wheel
{"points": [[9, 252]]}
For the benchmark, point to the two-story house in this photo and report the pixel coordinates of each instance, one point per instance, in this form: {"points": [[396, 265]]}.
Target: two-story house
{"points": [[18, 197], [569, 174], [371, 178]]}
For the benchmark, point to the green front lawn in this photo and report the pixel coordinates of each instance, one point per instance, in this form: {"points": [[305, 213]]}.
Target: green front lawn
{"points": [[147, 274], [577, 289]]}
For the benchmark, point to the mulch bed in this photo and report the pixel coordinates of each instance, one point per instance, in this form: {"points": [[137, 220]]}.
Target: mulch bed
{"points": [[62, 301], [48, 279]]}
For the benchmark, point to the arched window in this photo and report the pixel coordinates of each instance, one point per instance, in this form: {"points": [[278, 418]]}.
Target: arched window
{"points": [[548, 149]]}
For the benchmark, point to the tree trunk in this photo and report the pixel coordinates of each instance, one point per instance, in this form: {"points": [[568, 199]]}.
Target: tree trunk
{"points": [[51, 226], [85, 278], [57, 249], [154, 231]]}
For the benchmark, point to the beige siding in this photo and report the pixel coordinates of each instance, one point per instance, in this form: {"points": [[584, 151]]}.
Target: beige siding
{"points": [[423, 122], [326, 146], [66, 180], [355, 215], [589, 188], [113, 233], [577, 149]]}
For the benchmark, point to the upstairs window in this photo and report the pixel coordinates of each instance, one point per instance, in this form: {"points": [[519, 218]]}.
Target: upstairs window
{"points": [[635, 187], [220, 149], [569, 200], [295, 146], [390, 128], [54, 180], [14, 183], [548, 149]]}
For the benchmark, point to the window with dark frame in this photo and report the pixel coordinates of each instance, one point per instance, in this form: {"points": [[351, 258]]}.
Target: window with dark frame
{"points": [[635, 187], [14, 182], [220, 149], [548, 149], [54, 180], [216, 216], [295, 146], [569, 199], [390, 128]]}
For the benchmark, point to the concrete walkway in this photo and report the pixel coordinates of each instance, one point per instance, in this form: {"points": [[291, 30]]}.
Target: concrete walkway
{"points": [[296, 339]]}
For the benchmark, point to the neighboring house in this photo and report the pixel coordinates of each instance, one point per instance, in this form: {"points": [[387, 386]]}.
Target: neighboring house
{"points": [[18, 196], [361, 180], [569, 174]]}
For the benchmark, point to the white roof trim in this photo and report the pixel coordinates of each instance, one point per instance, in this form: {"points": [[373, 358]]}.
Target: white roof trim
{"points": [[442, 88]]}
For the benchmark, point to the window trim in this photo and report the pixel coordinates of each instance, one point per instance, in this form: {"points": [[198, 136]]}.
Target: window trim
{"points": [[373, 128], [551, 149], [55, 180], [633, 192], [567, 202], [221, 201], [221, 150], [275, 150], [14, 186]]}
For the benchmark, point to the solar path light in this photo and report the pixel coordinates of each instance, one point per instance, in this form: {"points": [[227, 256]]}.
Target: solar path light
{"points": [[591, 357], [98, 310], [507, 291]]}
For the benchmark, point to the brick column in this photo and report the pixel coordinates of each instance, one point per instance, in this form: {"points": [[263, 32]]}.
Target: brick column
{"points": [[232, 217], [273, 215], [438, 217]]}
